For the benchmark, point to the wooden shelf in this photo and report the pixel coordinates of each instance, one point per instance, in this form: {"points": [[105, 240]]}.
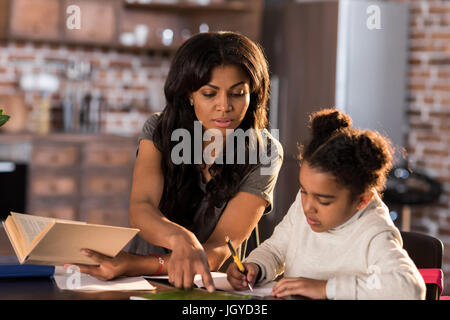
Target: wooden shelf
{"points": [[235, 15], [62, 137], [186, 7], [161, 49]]}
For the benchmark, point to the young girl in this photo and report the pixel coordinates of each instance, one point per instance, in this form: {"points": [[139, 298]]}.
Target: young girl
{"points": [[337, 240]]}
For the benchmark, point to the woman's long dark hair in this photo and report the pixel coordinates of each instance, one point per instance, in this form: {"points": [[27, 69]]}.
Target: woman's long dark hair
{"points": [[191, 69]]}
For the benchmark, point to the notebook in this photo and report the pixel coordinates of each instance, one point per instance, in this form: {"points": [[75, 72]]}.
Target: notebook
{"points": [[11, 268]]}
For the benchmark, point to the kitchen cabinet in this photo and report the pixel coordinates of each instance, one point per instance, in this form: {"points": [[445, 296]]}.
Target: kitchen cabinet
{"points": [[35, 19], [80, 177], [52, 156], [53, 181], [106, 184], [98, 22], [106, 23], [186, 18], [46, 20], [4, 11]]}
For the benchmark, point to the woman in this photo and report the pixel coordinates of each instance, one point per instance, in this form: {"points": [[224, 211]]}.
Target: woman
{"points": [[218, 82]]}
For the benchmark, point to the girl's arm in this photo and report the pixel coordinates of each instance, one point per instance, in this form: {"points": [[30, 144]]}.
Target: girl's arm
{"points": [[270, 256], [391, 274]]}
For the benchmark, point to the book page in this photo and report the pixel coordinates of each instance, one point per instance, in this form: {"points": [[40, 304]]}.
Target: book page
{"points": [[69, 221], [30, 226]]}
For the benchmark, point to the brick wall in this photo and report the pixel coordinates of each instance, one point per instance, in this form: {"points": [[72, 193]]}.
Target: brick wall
{"points": [[126, 81], [428, 140]]}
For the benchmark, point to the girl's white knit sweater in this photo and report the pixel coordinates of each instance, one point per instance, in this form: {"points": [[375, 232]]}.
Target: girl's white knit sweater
{"points": [[361, 259]]}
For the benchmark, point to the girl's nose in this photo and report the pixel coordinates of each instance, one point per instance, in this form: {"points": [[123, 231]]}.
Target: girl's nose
{"points": [[308, 206]]}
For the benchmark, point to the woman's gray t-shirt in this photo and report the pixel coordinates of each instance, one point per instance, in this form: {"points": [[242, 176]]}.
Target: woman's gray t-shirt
{"points": [[260, 181]]}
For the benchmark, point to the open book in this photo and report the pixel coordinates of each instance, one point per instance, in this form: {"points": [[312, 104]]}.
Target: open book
{"points": [[49, 241]]}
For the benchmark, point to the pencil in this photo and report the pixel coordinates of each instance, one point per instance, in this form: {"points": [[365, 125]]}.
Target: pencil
{"points": [[237, 260]]}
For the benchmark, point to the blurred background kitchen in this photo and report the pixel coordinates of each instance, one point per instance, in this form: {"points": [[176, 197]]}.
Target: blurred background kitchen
{"points": [[78, 94]]}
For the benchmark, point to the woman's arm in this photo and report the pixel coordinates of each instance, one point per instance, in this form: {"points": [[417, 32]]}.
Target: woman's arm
{"points": [[238, 220], [188, 255], [146, 192]]}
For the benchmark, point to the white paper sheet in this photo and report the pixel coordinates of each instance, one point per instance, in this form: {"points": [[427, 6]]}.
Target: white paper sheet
{"points": [[85, 282], [221, 282]]}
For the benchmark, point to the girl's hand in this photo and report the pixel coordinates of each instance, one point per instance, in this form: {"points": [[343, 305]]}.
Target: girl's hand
{"points": [[187, 259], [108, 268], [238, 280], [311, 288]]}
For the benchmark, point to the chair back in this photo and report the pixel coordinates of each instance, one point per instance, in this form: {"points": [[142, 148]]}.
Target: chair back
{"points": [[426, 252]]}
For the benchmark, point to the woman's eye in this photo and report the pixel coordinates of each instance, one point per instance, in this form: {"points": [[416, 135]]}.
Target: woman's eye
{"points": [[324, 203], [208, 95], [238, 94]]}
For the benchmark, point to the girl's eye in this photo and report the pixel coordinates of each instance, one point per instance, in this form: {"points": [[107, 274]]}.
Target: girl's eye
{"points": [[325, 203], [209, 95]]}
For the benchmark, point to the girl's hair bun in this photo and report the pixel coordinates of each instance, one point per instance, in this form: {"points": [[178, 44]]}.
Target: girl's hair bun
{"points": [[359, 160], [325, 122], [374, 154]]}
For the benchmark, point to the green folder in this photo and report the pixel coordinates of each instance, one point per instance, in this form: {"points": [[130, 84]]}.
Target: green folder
{"points": [[193, 294]]}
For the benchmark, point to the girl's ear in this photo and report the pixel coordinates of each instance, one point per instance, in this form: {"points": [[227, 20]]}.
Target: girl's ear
{"points": [[364, 199]]}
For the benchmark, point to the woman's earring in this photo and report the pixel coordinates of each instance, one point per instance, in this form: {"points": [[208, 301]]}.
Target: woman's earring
{"points": [[192, 104]]}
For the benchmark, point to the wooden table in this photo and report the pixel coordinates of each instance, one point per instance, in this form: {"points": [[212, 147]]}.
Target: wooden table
{"points": [[46, 288]]}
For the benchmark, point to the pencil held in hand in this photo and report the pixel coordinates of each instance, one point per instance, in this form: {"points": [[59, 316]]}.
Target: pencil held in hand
{"points": [[237, 261]]}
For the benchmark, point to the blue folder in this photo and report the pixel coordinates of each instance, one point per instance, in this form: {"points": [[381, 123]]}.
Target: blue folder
{"points": [[11, 268]]}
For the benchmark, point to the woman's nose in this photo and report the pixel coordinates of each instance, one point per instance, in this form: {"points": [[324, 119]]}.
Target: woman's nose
{"points": [[223, 103]]}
